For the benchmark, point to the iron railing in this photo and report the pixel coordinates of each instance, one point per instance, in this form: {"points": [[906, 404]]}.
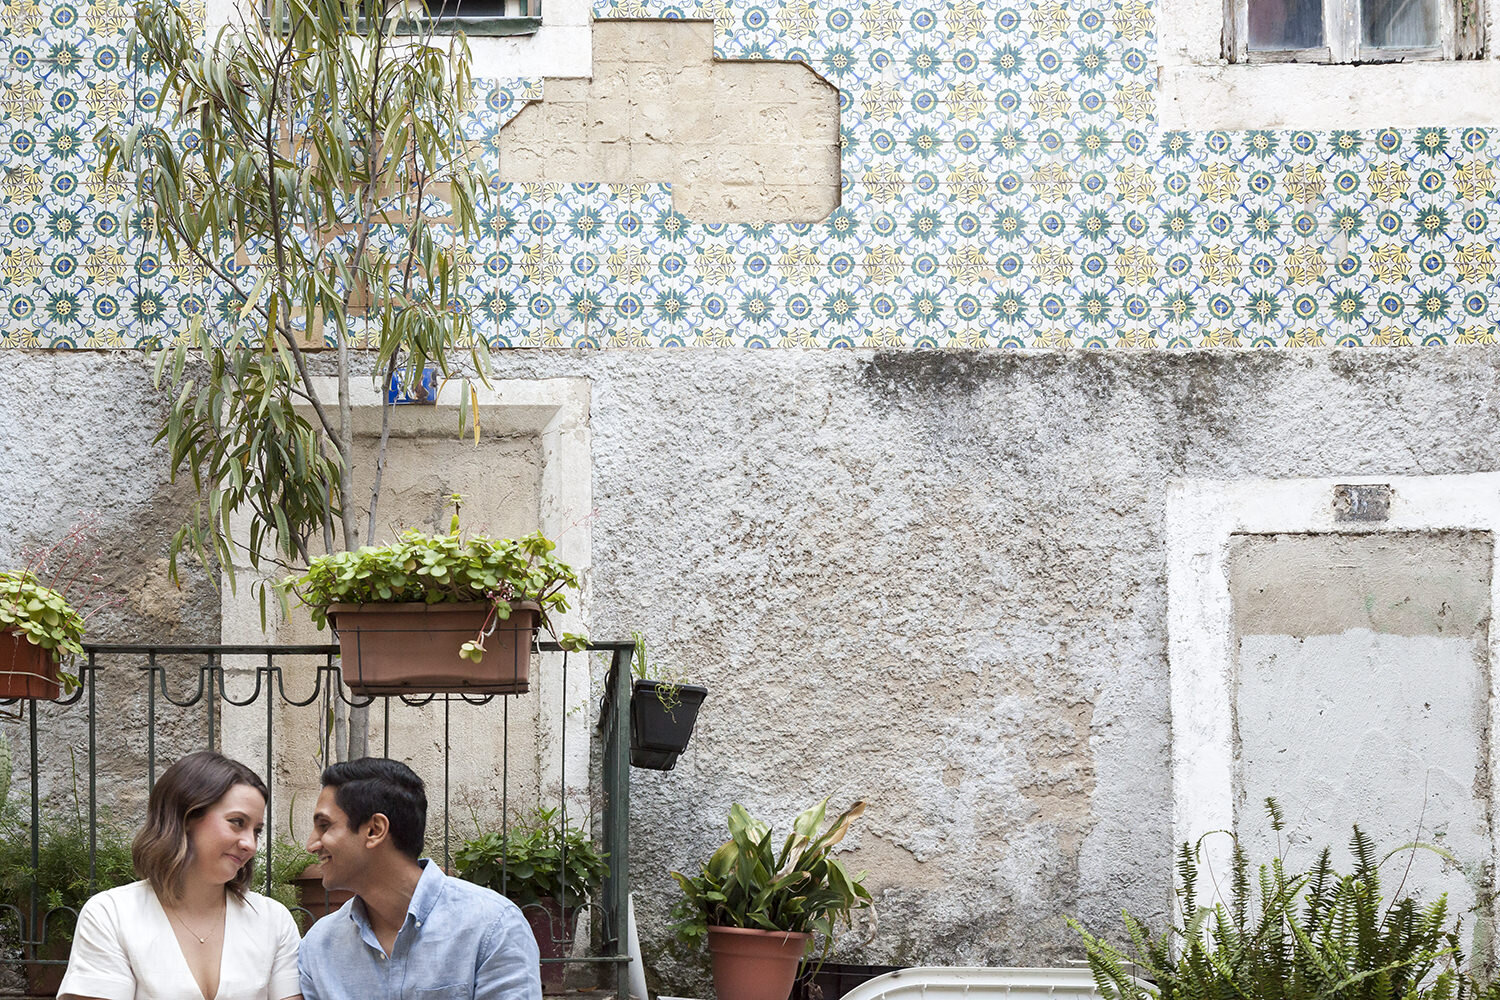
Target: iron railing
{"points": [[220, 684]]}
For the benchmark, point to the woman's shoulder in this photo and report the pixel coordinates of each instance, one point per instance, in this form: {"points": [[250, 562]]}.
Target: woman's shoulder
{"points": [[126, 901], [264, 908]]}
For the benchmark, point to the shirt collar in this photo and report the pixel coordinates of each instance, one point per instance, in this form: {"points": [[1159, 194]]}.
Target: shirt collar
{"points": [[423, 898], [429, 888]]}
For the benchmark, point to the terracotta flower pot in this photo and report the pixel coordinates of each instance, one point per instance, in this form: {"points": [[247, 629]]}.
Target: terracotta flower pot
{"points": [[315, 899], [26, 670], [414, 648], [755, 965], [553, 926]]}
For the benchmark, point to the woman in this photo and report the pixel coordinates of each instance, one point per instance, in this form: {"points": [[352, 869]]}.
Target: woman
{"points": [[190, 930]]}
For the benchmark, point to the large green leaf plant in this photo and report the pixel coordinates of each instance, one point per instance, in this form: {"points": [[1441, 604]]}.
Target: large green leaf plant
{"points": [[749, 883]]}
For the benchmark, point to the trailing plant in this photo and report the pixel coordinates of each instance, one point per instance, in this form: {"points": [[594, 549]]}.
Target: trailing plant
{"points": [[540, 857], [749, 883], [438, 569], [1290, 936]]}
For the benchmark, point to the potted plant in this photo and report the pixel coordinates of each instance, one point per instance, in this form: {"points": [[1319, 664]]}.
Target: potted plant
{"points": [[1283, 934], [663, 712], [39, 623], [348, 266], [760, 909], [38, 627], [61, 877], [297, 883], [415, 615], [549, 868]]}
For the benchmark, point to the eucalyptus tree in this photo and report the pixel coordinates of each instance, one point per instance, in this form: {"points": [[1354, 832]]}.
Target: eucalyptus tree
{"points": [[309, 161]]}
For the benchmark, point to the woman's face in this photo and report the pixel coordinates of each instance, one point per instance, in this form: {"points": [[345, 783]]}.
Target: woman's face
{"points": [[225, 837]]}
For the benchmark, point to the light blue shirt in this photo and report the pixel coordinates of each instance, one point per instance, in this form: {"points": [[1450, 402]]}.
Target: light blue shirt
{"points": [[460, 941]]}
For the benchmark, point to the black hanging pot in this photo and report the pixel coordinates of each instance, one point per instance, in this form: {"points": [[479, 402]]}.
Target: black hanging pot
{"points": [[662, 717]]}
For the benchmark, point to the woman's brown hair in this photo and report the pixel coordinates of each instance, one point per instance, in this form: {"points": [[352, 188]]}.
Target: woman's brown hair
{"points": [[185, 791]]}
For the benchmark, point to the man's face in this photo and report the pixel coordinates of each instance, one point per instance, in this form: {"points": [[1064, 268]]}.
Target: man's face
{"points": [[340, 848]]}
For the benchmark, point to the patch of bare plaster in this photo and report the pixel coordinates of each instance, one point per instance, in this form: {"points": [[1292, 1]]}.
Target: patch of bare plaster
{"points": [[738, 141]]}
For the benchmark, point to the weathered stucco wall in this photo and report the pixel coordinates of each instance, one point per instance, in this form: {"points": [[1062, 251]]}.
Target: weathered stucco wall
{"points": [[930, 580], [935, 581]]}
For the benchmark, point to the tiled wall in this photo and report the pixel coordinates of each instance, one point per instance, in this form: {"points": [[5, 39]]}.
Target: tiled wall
{"points": [[1004, 184]]}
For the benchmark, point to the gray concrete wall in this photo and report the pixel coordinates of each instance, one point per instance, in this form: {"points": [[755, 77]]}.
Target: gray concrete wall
{"points": [[1363, 696], [935, 581]]}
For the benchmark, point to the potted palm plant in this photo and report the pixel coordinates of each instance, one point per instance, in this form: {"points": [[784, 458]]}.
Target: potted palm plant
{"points": [[548, 867], [417, 614], [761, 909]]}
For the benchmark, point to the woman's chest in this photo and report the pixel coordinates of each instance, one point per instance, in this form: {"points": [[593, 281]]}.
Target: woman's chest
{"points": [[162, 972]]}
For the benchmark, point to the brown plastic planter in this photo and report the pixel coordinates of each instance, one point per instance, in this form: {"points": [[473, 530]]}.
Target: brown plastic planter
{"points": [[413, 648], [26, 670]]}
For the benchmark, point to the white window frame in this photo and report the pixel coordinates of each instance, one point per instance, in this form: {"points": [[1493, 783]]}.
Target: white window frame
{"points": [[1199, 89], [1342, 36]]}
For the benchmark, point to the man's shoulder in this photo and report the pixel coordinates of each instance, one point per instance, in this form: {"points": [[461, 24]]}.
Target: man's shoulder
{"points": [[330, 931], [476, 899]]}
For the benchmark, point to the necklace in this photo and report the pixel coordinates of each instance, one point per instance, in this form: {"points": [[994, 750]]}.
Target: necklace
{"points": [[202, 939]]}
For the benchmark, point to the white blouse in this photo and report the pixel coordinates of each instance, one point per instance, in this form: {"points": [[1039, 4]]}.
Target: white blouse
{"points": [[124, 949]]}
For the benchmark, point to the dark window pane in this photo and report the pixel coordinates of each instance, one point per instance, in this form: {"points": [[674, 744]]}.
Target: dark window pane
{"points": [[1286, 24], [1400, 24], [485, 8]]}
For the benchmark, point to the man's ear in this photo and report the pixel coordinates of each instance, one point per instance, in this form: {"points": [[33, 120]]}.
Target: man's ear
{"points": [[377, 830]]}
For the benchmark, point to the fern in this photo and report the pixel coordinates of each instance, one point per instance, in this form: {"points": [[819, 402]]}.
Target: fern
{"points": [[1313, 935]]}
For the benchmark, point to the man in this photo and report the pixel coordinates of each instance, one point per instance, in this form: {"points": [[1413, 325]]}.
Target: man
{"points": [[410, 932]]}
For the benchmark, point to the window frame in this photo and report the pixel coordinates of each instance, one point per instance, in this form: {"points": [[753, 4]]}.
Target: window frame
{"points": [[1459, 37]]}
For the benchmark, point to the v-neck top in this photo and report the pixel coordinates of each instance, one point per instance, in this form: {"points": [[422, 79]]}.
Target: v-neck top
{"points": [[124, 949]]}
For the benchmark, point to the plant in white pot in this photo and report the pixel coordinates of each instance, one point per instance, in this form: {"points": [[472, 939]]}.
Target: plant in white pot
{"points": [[761, 909]]}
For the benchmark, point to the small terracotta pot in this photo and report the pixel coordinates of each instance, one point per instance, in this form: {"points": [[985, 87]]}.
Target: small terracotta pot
{"points": [[414, 648], [315, 899], [553, 925], [755, 965], [26, 670]]}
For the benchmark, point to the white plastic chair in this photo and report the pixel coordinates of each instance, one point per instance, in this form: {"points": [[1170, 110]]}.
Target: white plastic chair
{"points": [[933, 983]]}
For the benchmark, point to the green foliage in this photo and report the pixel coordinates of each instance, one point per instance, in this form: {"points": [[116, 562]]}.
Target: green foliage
{"points": [[328, 197], [748, 883], [39, 613], [288, 861], [436, 569], [1284, 936], [61, 872], [668, 691], [538, 858]]}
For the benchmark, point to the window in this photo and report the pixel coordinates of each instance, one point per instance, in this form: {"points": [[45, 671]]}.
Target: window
{"points": [[1326, 64], [1352, 31], [488, 17]]}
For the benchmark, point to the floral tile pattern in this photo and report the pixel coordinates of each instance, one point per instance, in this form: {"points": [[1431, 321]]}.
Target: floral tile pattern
{"points": [[1004, 183]]}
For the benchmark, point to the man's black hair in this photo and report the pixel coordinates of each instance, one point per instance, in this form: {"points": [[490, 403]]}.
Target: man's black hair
{"points": [[371, 785]]}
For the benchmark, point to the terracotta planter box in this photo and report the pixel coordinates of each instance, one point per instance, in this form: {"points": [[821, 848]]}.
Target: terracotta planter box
{"points": [[315, 899], [26, 670], [414, 648]]}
